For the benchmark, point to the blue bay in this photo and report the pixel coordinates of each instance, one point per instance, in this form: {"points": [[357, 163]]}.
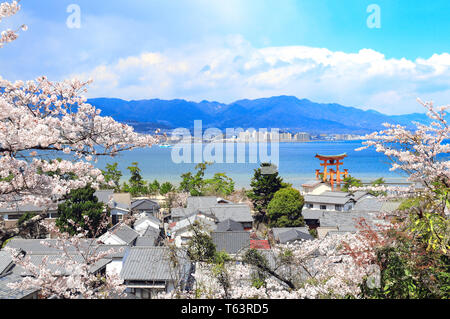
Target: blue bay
{"points": [[296, 163]]}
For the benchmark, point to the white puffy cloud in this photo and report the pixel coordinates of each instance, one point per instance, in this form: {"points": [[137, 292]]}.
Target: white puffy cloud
{"points": [[229, 69]]}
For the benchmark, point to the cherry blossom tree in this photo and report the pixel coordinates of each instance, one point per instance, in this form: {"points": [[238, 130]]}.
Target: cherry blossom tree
{"points": [[6, 10], [50, 137], [71, 272], [413, 256], [420, 153], [423, 155], [303, 269]]}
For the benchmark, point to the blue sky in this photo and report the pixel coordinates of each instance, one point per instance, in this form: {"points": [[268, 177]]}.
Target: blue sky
{"points": [[228, 50]]}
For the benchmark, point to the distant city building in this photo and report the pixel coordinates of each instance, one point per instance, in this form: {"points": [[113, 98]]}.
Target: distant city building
{"points": [[285, 137], [302, 137], [264, 136], [252, 135], [256, 136]]}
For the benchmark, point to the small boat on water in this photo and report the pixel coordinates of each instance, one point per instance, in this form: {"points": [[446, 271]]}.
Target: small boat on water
{"points": [[165, 145]]}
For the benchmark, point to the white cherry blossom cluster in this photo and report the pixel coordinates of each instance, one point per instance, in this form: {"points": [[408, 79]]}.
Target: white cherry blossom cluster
{"points": [[8, 9], [41, 119], [49, 137], [76, 257], [422, 154], [319, 269]]}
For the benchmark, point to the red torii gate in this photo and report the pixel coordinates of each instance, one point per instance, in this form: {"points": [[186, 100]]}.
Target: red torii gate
{"points": [[331, 175]]}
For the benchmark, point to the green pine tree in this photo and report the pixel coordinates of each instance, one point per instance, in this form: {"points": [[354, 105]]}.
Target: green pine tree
{"points": [[166, 188], [137, 186], [79, 203], [265, 183], [349, 182], [111, 174], [285, 208]]}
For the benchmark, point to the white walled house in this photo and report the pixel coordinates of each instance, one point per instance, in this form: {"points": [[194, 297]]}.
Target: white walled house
{"points": [[144, 222], [111, 239], [119, 234], [145, 206], [335, 201], [119, 203], [11, 215], [181, 231], [118, 213], [240, 213], [315, 187], [114, 267], [147, 271]]}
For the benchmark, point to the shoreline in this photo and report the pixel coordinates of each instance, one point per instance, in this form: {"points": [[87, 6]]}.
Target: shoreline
{"points": [[251, 142], [392, 181]]}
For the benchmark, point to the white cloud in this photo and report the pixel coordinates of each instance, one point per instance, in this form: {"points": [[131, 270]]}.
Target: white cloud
{"points": [[232, 69]]}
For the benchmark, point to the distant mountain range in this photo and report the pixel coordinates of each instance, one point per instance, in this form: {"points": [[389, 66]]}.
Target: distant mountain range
{"points": [[284, 112]]}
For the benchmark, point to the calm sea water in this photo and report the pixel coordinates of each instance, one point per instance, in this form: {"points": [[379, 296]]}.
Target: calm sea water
{"points": [[297, 163]]}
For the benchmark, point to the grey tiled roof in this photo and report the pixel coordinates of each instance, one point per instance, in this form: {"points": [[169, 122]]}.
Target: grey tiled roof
{"points": [[336, 200], [118, 205], [344, 219], [231, 242], [237, 212], [197, 202], [217, 207], [56, 264], [292, 235], [312, 213], [149, 218], [14, 209], [100, 264], [229, 225], [311, 183], [151, 264], [149, 238], [36, 247], [9, 293], [335, 194], [373, 204], [369, 204], [288, 234], [38, 251], [124, 232], [104, 195], [181, 212], [355, 195], [358, 195], [188, 222], [151, 232], [145, 241], [144, 204]]}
